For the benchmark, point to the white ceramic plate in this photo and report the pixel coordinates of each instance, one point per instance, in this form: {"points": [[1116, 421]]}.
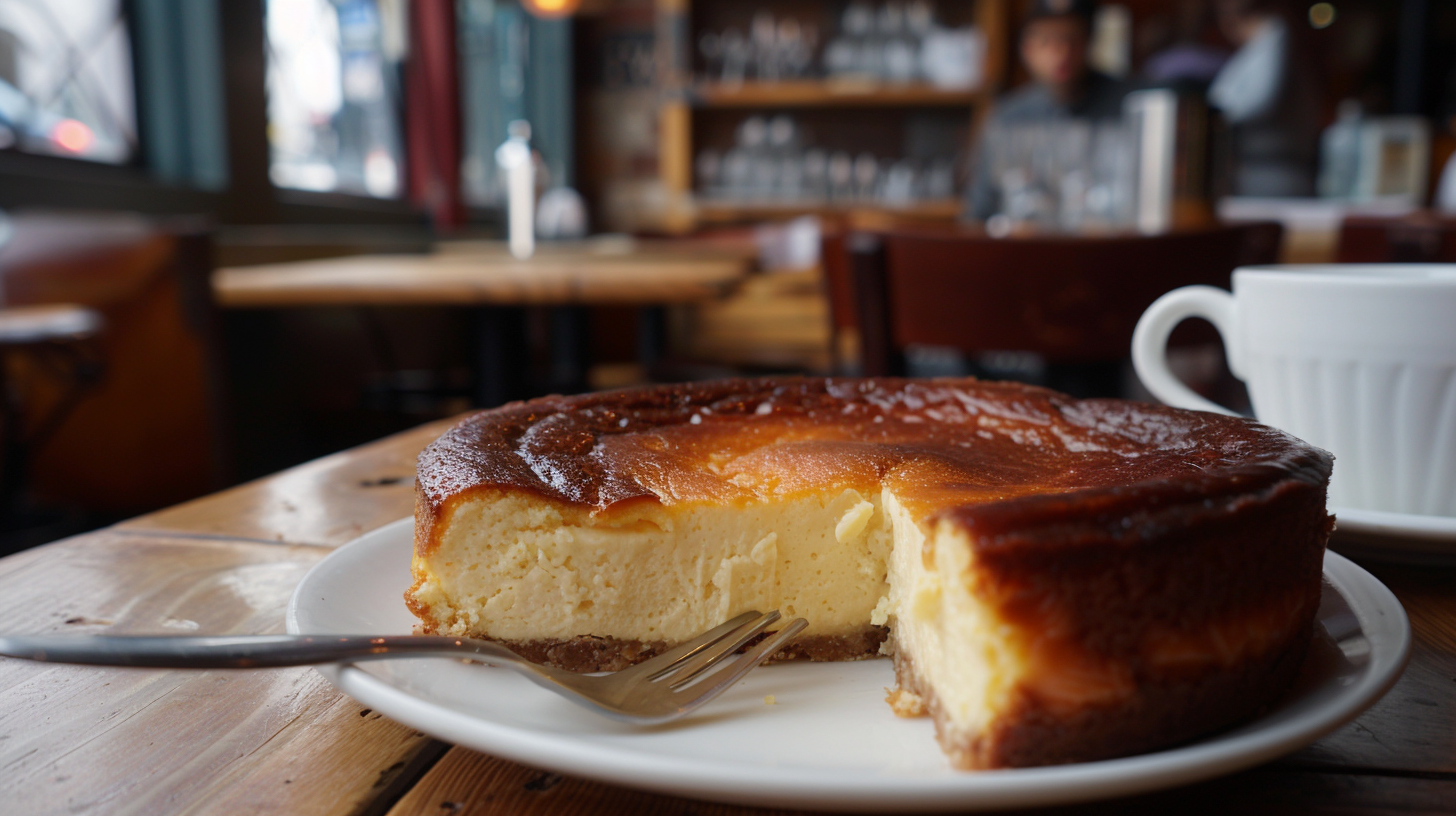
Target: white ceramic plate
{"points": [[829, 741], [1386, 536]]}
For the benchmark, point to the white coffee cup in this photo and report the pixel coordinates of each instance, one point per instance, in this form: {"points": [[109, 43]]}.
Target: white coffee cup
{"points": [[1358, 359]]}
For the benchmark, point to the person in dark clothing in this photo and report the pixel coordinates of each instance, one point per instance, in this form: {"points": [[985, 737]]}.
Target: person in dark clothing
{"points": [[1269, 93], [1054, 50]]}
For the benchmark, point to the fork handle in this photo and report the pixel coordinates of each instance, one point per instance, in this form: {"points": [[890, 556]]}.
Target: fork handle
{"points": [[241, 651]]}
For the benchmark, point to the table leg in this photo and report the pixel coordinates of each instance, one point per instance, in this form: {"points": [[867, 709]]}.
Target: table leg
{"points": [[571, 356], [1083, 380], [502, 355], [651, 336]]}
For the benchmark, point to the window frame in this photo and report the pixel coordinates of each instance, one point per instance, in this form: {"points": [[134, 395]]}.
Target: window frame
{"points": [[38, 181]]}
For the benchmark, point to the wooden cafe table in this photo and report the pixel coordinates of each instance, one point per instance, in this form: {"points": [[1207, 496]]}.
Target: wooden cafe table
{"points": [[482, 277], [131, 741]]}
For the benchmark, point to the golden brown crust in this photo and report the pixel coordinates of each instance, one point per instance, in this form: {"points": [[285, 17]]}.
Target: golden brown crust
{"points": [[1188, 623], [994, 456], [1162, 713], [1170, 574]]}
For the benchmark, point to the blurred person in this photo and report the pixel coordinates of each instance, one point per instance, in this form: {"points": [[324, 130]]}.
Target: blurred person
{"points": [[1268, 92], [1063, 86]]}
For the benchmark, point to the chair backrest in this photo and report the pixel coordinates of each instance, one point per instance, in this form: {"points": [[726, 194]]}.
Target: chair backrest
{"points": [[1068, 299], [838, 279], [835, 261], [1419, 238]]}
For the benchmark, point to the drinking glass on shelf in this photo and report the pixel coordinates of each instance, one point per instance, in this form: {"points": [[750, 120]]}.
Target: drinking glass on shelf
{"points": [[900, 182], [737, 174], [858, 30], [839, 57], [899, 57], [1062, 176], [866, 176], [782, 133], [795, 54], [841, 176], [791, 177], [940, 180], [763, 177], [764, 33], [736, 52], [1072, 190], [1113, 169], [816, 174], [919, 18], [753, 133], [710, 45], [709, 166], [1026, 200], [783, 147]]}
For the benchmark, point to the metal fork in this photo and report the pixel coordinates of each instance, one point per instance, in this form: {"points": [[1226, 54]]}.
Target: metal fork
{"points": [[661, 689]]}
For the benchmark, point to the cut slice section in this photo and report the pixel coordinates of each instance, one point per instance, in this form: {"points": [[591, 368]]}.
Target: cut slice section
{"points": [[596, 593]]}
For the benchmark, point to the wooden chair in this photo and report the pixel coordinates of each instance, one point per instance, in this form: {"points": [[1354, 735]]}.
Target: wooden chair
{"points": [[1422, 237], [150, 432], [1072, 300], [56, 341], [834, 260], [839, 292]]}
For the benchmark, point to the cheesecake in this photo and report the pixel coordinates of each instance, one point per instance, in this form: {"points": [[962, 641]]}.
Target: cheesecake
{"points": [[1056, 580]]}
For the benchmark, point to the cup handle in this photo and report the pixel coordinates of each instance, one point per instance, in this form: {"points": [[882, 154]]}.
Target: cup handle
{"points": [[1150, 342]]}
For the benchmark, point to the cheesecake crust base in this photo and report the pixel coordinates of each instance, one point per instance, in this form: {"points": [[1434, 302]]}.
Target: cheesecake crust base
{"points": [[588, 653]]}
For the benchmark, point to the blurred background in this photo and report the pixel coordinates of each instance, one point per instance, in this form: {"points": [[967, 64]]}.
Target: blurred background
{"points": [[235, 236]]}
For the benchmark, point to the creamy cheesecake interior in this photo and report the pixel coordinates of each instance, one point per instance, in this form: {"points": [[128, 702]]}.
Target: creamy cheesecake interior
{"points": [[519, 570], [951, 649]]}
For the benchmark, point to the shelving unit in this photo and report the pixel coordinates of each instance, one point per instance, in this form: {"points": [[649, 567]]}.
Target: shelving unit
{"points": [[694, 110], [804, 93], [711, 212]]}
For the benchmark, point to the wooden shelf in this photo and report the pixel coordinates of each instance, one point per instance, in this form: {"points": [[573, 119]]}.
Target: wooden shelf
{"points": [[829, 93], [695, 112], [722, 212]]}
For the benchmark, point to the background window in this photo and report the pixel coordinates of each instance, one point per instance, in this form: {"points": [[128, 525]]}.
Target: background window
{"points": [[66, 79], [334, 96], [512, 66]]}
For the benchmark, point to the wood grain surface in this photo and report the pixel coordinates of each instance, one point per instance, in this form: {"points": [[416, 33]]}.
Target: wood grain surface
{"points": [[326, 502], [466, 783], [87, 740], [550, 278], [77, 739]]}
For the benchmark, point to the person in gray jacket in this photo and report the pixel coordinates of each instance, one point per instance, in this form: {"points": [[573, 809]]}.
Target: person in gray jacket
{"points": [[1054, 50]]}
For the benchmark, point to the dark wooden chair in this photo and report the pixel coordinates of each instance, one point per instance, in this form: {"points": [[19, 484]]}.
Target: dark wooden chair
{"points": [[839, 292], [1074, 301], [1421, 237], [834, 260], [54, 341]]}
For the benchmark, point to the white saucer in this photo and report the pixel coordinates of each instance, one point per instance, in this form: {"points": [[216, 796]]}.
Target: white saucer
{"points": [[1388, 536], [829, 740]]}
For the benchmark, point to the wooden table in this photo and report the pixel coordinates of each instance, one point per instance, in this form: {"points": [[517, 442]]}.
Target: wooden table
{"points": [[89, 740], [483, 277], [483, 273]]}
